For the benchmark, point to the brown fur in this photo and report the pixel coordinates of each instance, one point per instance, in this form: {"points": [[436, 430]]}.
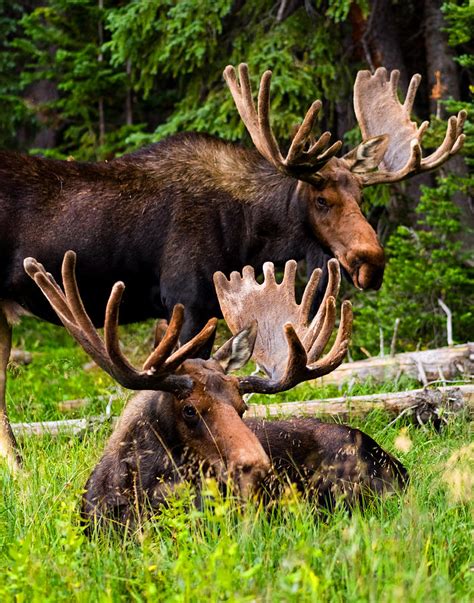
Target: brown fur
{"points": [[152, 450], [163, 220]]}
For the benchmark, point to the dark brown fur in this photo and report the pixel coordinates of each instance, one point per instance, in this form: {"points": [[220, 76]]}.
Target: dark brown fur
{"points": [[148, 455], [326, 461], [164, 219]]}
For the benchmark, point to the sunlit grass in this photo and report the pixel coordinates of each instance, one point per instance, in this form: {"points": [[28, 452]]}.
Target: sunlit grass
{"points": [[411, 547]]}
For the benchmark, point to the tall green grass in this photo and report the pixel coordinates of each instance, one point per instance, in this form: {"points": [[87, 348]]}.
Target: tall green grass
{"points": [[416, 546]]}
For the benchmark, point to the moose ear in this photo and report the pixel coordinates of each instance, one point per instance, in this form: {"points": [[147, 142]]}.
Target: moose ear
{"points": [[236, 352], [367, 156]]}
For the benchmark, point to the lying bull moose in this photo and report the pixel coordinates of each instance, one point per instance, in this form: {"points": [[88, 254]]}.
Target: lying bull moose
{"points": [[190, 421], [165, 218]]}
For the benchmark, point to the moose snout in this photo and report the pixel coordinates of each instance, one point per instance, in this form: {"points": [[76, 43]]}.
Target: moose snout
{"points": [[366, 267], [247, 475]]}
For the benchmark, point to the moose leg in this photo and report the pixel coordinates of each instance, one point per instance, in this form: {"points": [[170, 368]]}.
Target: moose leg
{"points": [[317, 258], [8, 445], [194, 321]]}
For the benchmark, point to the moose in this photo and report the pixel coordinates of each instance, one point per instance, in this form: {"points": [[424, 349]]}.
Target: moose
{"points": [[189, 419], [166, 217]]}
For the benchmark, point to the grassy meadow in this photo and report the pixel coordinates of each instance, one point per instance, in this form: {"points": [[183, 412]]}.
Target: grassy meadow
{"points": [[416, 546]]}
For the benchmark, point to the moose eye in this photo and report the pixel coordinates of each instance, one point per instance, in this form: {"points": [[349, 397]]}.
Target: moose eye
{"points": [[190, 413], [322, 202]]}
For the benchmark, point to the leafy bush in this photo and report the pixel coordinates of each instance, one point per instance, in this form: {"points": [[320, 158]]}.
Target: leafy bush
{"points": [[425, 264]]}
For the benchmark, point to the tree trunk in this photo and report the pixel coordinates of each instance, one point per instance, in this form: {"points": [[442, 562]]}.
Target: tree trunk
{"points": [[443, 80], [439, 58], [128, 97], [100, 59], [425, 401]]}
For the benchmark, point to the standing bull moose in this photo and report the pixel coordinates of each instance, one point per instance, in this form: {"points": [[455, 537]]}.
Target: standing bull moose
{"points": [[194, 424], [165, 218]]}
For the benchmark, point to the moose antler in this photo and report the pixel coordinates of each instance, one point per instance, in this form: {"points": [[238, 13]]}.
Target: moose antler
{"points": [[288, 344], [379, 111], [158, 369], [300, 162]]}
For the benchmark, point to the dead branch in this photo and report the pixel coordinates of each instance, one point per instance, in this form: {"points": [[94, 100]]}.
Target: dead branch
{"points": [[71, 427], [446, 399], [451, 398]]}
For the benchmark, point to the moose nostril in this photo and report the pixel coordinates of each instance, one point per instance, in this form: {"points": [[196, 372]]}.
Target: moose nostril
{"points": [[246, 468]]}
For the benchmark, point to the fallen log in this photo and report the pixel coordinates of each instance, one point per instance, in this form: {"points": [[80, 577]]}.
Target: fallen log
{"points": [[451, 399], [79, 403], [442, 364], [71, 427], [446, 399]]}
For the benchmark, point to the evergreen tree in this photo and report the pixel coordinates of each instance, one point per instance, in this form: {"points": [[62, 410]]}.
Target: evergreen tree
{"points": [[15, 113], [106, 76]]}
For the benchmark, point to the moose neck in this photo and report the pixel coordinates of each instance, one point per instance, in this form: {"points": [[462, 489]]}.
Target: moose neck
{"points": [[240, 183]]}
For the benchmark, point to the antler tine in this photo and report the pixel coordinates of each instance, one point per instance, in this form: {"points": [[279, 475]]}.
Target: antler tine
{"points": [[316, 329], [160, 359], [56, 297], [52, 290], [263, 115], [453, 136], [106, 353], [97, 352], [379, 111], [168, 341], [411, 92], [190, 348], [286, 347], [109, 356], [119, 365], [73, 298], [299, 163], [309, 293], [339, 349], [324, 332], [304, 131]]}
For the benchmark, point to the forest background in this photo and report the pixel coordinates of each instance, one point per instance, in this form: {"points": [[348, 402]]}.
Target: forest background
{"points": [[92, 79]]}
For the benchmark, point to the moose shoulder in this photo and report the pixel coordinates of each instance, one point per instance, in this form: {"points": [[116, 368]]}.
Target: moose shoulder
{"points": [[165, 218]]}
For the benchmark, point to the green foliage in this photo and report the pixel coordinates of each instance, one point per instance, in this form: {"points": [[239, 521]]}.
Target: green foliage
{"points": [[165, 37], [425, 264], [171, 56], [15, 112], [300, 52], [61, 43], [460, 19]]}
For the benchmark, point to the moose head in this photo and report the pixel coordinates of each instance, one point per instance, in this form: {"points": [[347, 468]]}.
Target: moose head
{"points": [[330, 188], [191, 416]]}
